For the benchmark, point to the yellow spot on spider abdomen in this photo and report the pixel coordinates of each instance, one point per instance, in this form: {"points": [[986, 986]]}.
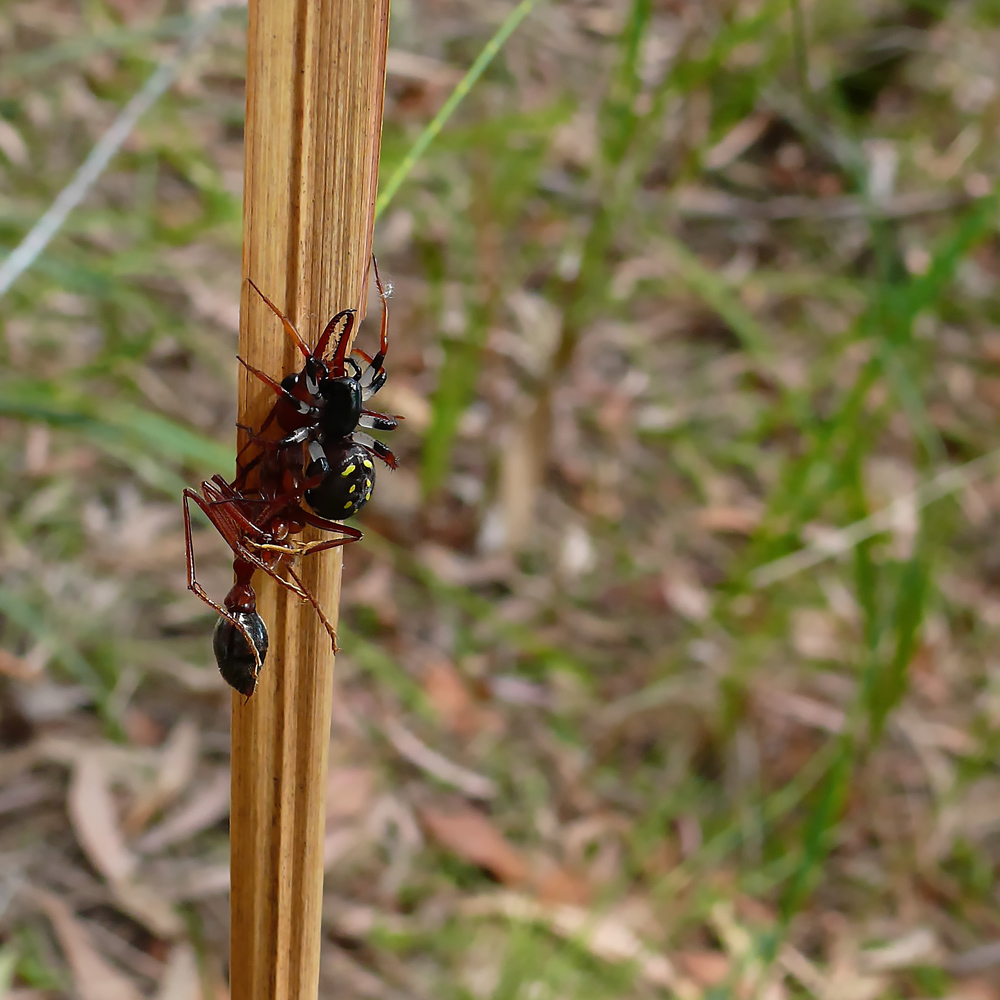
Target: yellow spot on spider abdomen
{"points": [[353, 488], [348, 505], [348, 470], [367, 464]]}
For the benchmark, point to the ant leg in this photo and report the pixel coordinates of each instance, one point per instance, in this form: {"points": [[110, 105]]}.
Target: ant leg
{"points": [[378, 449], [325, 524], [242, 471], [330, 630], [195, 587], [238, 527], [285, 321]]}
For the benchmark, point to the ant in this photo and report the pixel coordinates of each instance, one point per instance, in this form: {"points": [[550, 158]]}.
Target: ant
{"points": [[259, 540], [320, 407]]}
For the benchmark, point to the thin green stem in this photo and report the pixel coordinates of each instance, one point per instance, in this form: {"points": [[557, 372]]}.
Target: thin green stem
{"points": [[476, 70]]}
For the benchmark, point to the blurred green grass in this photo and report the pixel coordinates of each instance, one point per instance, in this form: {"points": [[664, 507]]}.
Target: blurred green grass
{"points": [[792, 373]]}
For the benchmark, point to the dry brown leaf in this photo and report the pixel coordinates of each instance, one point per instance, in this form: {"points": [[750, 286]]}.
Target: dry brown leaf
{"points": [[605, 935], [190, 882], [706, 968], [148, 907], [180, 979], [141, 729], [216, 987], [844, 978], [373, 589], [12, 145], [520, 476], [684, 593], [451, 697], [94, 817], [418, 753], [974, 989], [471, 835], [737, 140], [93, 977], [815, 634], [338, 843], [736, 520], [178, 760], [801, 709], [557, 885], [205, 808], [447, 692], [18, 668], [403, 399], [349, 792], [919, 947]]}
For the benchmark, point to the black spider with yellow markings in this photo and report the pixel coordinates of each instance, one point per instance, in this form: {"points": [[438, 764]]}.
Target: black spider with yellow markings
{"points": [[323, 408]]}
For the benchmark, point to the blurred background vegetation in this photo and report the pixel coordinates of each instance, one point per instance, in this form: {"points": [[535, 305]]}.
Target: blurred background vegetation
{"points": [[682, 291]]}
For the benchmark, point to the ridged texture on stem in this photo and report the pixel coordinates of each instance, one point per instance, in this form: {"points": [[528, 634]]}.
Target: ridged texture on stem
{"points": [[315, 84]]}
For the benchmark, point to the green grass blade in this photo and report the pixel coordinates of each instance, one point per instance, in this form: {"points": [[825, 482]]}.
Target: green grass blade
{"points": [[112, 423], [462, 88]]}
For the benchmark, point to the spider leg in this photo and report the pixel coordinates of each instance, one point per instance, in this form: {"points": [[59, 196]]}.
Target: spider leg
{"points": [[300, 404], [285, 321], [376, 383], [377, 421], [384, 332], [374, 372], [378, 449]]}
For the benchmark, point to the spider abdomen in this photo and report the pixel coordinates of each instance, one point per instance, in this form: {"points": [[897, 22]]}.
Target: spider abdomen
{"points": [[348, 478]]}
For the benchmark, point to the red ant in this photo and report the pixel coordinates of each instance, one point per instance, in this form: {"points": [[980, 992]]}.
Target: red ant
{"points": [[320, 406]]}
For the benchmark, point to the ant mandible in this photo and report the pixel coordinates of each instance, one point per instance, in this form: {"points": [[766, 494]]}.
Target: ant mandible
{"points": [[321, 406]]}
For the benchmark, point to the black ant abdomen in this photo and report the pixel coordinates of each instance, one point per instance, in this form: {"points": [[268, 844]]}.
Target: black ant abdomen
{"points": [[238, 663]]}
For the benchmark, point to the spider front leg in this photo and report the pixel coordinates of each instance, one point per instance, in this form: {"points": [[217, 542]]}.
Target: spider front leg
{"points": [[285, 321], [300, 405], [371, 378]]}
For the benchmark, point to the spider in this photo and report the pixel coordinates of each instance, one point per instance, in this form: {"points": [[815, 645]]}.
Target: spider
{"points": [[322, 407]]}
